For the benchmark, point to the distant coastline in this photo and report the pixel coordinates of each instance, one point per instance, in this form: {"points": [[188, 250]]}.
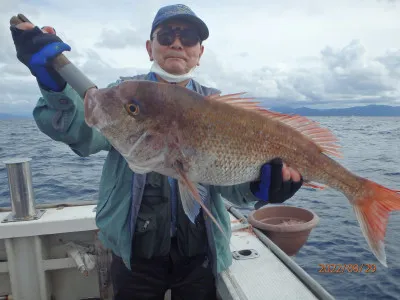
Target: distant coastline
{"points": [[14, 117], [372, 110]]}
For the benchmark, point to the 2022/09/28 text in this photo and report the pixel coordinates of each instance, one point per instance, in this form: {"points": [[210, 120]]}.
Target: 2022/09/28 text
{"points": [[347, 268]]}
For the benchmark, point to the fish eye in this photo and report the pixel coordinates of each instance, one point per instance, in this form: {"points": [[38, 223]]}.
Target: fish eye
{"points": [[132, 109]]}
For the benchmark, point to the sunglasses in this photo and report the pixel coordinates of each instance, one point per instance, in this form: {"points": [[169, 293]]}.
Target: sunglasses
{"points": [[188, 37]]}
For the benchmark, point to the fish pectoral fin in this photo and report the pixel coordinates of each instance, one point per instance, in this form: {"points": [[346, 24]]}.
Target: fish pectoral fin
{"points": [[190, 202], [192, 197]]}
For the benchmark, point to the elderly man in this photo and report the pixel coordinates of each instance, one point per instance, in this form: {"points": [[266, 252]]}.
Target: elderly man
{"points": [[140, 218]]}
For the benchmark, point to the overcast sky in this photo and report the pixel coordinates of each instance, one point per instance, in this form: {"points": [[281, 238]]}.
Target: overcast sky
{"points": [[291, 52]]}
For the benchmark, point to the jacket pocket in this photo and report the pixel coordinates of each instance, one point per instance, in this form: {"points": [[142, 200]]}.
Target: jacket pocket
{"points": [[145, 224], [145, 238]]}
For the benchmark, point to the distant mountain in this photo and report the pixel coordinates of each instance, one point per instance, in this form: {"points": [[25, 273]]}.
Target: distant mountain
{"points": [[368, 110], [12, 116]]}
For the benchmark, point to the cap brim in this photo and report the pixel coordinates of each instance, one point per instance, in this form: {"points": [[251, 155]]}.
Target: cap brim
{"points": [[200, 25]]}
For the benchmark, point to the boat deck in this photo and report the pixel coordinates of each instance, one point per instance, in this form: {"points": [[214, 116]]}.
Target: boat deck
{"points": [[263, 277]]}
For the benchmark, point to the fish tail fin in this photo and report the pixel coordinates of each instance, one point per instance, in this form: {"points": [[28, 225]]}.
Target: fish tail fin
{"points": [[372, 208]]}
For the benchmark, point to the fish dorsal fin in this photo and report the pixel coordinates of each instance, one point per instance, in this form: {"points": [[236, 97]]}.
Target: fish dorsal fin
{"points": [[231, 98], [323, 137]]}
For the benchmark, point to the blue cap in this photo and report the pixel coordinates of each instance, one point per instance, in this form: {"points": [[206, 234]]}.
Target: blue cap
{"points": [[179, 12]]}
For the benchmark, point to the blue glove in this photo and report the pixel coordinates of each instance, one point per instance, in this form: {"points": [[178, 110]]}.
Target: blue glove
{"points": [[35, 50], [271, 188]]}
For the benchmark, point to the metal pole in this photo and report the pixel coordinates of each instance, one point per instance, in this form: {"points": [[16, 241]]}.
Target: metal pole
{"points": [[21, 191]]}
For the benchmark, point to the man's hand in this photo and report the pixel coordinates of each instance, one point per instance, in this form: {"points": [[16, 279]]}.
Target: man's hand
{"points": [[28, 26], [289, 173], [277, 183], [35, 48]]}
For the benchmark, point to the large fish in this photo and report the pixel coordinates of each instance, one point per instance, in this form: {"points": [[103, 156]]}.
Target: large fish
{"points": [[224, 140]]}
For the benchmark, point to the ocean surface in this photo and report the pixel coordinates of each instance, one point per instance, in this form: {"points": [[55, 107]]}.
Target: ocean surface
{"points": [[370, 146]]}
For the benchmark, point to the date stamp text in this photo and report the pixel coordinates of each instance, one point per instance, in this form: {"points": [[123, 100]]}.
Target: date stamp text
{"points": [[347, 268]]}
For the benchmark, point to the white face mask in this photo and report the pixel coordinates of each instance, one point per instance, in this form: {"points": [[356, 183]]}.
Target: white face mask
{"points": [[155, 67]]}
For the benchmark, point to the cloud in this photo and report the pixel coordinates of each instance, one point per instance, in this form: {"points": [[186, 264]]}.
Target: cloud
{"points": [[322, 53], [14, 70], [102, 72], [342, 76], [391, 60], [351, 73], [113, 39]]}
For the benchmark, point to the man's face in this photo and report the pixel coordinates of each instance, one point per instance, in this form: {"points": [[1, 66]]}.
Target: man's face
{"points": [[175, 58]]}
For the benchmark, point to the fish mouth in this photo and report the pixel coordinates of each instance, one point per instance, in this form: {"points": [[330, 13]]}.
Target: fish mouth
{"points": [[89, 106]]}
